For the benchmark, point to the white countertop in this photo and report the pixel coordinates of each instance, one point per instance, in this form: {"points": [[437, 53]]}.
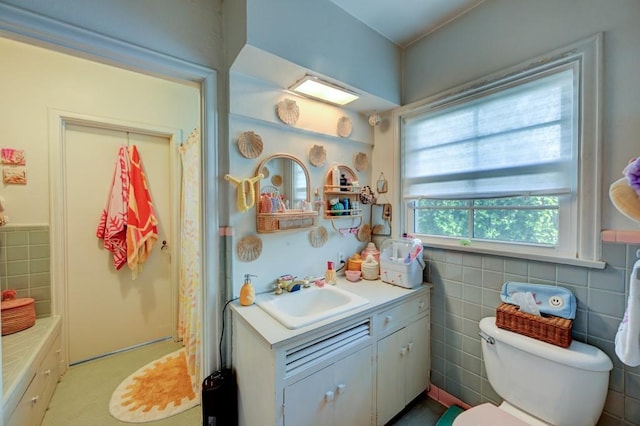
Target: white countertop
{"points": [[377, 292]]}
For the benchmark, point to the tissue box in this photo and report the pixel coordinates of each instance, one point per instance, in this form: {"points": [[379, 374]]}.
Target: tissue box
{"points": [[394, 270], [548, 328]]}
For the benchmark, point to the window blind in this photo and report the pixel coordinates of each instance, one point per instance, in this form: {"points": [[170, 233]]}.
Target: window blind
{"points": [[512, 139]]}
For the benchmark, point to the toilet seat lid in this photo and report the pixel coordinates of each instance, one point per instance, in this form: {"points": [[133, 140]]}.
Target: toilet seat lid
{"points": [[487, 415]]}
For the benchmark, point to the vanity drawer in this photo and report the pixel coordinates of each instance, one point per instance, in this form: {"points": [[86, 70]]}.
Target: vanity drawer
{"points": [[400, 315]]}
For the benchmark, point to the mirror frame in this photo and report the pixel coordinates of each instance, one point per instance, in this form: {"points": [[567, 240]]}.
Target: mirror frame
{"points": [[293, 218]]}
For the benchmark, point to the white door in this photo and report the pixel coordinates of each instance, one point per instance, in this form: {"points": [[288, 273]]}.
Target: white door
{"points": [[106, 309]]}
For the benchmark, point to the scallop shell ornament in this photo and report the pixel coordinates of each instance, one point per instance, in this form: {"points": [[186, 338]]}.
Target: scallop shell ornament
{"points": [[317, 155], [249, 248], [288, 111], [318, 236], [364, 233], [360, 161], [344, 127], [249, 144]]}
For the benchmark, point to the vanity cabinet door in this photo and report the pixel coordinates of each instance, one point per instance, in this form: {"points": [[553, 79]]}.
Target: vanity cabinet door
{"points": [[418, 358], [403, 368], [354, 389], [340, 394]]}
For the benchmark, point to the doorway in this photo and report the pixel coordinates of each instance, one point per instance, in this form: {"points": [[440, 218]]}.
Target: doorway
{"points": [[107, 309]]}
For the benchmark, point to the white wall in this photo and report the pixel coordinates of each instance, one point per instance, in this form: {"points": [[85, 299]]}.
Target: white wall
{"points": [[500, 33], [33, 81], [190, 30]]}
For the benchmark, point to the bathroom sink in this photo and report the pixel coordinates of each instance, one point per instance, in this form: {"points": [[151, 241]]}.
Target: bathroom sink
{"points": [[303, 307]]}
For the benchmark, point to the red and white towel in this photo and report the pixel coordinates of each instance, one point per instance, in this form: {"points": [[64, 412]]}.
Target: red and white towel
{"points": [[142, 231], [112, 227], [128, 223]]}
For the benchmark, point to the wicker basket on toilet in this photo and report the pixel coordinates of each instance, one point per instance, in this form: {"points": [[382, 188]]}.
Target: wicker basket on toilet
{"points": [[17, 314], [556, 306]]}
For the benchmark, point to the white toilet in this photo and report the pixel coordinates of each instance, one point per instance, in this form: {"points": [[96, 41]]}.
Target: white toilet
{"points": [[541, 384]]}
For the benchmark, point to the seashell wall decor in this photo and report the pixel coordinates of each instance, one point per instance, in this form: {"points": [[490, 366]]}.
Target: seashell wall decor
{"points": [[317, 155], [249, 248], [249, 144], [318, 236], [360, 161], [288, 111], [344, 127]]}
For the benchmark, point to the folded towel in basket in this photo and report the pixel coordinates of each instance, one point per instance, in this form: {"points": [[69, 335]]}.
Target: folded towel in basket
{"points": [[551, 300]]}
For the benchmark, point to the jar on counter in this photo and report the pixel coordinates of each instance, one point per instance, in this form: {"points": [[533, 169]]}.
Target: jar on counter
{"points": [[371, 250], [354, 263]]}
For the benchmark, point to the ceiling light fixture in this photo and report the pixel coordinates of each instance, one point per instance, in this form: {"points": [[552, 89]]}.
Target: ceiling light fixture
{"points": [[324, 91]]}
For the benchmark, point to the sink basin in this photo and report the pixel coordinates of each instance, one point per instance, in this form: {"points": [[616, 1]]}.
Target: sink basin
{"points": [[300, 308]]}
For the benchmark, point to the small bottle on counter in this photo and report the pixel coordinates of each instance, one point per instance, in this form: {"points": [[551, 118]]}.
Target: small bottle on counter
{"points": [[330, 276]]}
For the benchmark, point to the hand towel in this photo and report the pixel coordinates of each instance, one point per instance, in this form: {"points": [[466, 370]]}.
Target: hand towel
{"points": [[551, 300], [112, 227], [627, 342], [142, 231]]}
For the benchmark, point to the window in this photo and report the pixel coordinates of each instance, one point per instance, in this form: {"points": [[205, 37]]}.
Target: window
{"points": [[508, 164]]}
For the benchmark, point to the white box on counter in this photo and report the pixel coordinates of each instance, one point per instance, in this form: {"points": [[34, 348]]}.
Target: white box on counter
{"points": [[401, 262]]}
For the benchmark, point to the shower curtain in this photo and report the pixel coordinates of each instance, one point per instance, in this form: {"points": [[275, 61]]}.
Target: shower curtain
{"points": [[190, 291]]}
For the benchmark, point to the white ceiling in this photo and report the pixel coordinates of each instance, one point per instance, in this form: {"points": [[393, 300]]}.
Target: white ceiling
{"points": [[405, 21]]}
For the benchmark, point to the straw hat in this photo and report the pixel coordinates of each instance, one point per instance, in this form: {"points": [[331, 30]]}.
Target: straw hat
{"points": [[625, 192]]}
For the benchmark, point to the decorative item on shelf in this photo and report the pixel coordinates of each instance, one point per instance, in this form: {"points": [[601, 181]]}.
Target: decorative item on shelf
{"points": [[336, 207], [360, 161], [318, 236], [288, 111], [344, 127], [276, 180], [625, 192], [317, 155], [249, 144], [366, 195], [374, 119], [249, 248]]}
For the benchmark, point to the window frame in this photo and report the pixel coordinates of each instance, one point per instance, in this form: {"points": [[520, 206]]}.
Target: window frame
{"points": [[580, 212]]}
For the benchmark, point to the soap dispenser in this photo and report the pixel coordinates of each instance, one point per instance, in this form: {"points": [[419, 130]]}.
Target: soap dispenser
{"points": [[247, 292]]}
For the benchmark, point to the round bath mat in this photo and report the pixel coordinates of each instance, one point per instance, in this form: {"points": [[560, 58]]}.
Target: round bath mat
{"points": [[158, 390]]}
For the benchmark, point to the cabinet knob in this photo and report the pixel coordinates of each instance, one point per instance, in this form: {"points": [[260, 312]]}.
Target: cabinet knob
{"points": [[341, 388], [421, 305], [387, 319], [35, 399], [410, 346], [403, 351], [328, 396], [47, 372]]}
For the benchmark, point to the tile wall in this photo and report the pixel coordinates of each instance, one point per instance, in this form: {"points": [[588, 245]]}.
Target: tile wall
{"points": [[467, 288], [24, 264]]}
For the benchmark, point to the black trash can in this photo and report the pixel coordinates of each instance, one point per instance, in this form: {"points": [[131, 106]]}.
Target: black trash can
{"points": [[219, 399]]}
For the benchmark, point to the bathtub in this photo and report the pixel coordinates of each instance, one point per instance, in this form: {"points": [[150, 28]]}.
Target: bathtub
{"points": [[32, 362]]}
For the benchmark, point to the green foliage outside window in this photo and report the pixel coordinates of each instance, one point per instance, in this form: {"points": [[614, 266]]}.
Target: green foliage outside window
{"points": [[532, 219]]}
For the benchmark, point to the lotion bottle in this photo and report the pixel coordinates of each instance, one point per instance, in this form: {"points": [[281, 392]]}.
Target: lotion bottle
{"points": [[247, 292], [330, 277]]}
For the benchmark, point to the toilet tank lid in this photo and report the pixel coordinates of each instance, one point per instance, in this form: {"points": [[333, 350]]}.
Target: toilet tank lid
{"points": [[577, 355]]}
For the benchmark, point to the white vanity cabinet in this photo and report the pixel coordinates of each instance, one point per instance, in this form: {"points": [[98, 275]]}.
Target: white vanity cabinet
{"points": [[359, 369]]}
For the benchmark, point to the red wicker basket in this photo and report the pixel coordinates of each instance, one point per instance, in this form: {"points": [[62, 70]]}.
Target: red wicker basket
{"points": [[17, 314], [548, 328]]}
